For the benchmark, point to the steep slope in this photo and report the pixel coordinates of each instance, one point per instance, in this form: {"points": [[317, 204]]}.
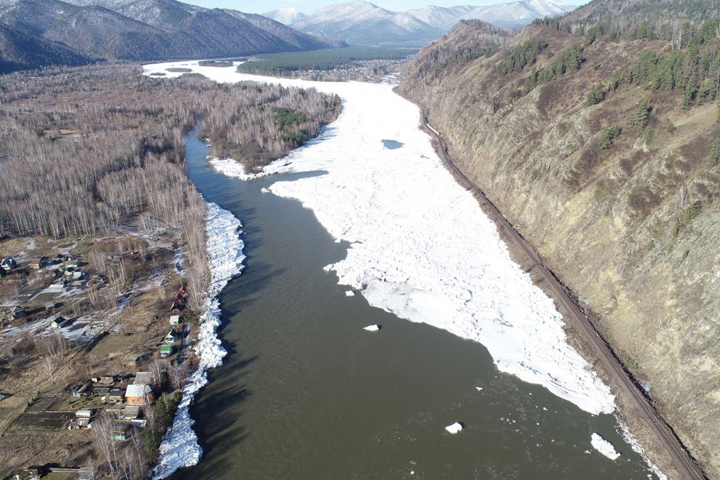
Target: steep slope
{"points": [[286, 16], [634, 10], [22, 51], [362, 23], [144, 30], [619, 196]]}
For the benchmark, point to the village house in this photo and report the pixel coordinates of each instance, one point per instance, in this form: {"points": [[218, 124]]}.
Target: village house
{"points": [[139, 394], [174, 320], [170, 338], [81, 389]]}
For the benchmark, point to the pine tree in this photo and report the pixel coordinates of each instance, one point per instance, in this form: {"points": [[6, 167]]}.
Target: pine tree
{"points": [[595, 96], [715, 152], [639, 117], [689, 92]]}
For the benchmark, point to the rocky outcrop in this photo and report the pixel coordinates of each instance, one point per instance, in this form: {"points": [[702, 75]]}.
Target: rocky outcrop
{"points": [[631, 228]]}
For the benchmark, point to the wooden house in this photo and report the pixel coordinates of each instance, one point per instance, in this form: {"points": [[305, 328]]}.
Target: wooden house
{"points": [[139, 394]]}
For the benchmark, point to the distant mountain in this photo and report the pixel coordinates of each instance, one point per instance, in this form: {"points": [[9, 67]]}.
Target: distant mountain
{"points": [[362, 23], [519, 14], [507, 15], [148, 30], [23, 51], [441, 17], [303, 41], [286, 16]]}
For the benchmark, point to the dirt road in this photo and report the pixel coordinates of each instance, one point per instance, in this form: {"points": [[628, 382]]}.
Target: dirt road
{"points": [[685, 465]]}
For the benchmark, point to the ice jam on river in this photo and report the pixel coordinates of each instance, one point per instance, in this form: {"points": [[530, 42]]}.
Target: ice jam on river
{"points": [[225, 253], [421, 247]]}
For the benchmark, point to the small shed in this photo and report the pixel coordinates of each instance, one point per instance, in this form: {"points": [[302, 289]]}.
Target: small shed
{"points": [[60, 322], [131, 412], [116, 394], [166, 350], [84, 413], [170, 338], [8, 264], [174, 320], [121, 431], [133, 360]]}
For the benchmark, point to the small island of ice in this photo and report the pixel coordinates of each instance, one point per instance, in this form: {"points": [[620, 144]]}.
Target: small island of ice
{"points": [[604, 447], [349, 293], [454, 428], [372, 328]]}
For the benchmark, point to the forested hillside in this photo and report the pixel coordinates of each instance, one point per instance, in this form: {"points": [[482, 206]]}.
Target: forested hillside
{"points": [[603, 149]]}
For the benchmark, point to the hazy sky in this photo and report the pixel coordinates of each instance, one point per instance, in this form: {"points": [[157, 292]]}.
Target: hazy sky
{"points": [[309, 6]]}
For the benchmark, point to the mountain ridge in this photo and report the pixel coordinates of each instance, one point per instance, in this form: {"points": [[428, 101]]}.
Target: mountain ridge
{"points": [[150, 30], [364, 23]]}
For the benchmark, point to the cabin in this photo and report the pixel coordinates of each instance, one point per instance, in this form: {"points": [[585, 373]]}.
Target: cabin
{"points": [[84, 413], [174, 320], [139, 394], [166, 351]]}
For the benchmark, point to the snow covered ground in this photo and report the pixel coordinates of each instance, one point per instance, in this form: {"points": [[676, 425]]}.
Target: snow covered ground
{"points": [[180, 448], [421, 247]]}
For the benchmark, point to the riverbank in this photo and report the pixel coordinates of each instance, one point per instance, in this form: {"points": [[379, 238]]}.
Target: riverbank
{"points": [[658, 442], [180, 446]]}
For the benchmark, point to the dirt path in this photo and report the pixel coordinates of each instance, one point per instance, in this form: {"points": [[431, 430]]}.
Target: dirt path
{"points": [[682, 461]]}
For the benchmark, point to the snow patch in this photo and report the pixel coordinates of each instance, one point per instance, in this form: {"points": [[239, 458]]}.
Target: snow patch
{"points": [[635, 445], [180, 447], [604, 447]]}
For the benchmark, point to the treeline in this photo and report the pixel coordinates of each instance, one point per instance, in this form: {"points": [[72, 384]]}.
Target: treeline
{"points": [[284, 64], [85, 149], [244, 124], [693, 70]]}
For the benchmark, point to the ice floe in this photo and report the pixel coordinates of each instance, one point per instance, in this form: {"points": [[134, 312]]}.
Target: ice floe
{"points": [[180, 447], [372, 328], [603, 446], [454, 428]]}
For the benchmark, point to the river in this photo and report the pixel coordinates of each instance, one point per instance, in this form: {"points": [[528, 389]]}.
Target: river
{"points": [[305, 392]]}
